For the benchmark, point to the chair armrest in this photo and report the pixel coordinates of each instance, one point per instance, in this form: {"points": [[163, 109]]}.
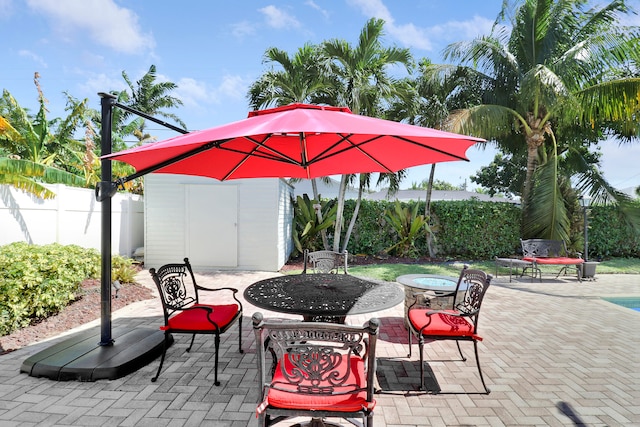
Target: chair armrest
{"points": [[203, 288], [454, 313], [209, 310]]}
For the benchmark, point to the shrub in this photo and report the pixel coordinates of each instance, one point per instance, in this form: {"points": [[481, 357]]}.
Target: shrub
{"points": [[39, 281]]}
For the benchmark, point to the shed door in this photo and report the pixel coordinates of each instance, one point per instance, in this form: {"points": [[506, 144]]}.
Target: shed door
{"points": [[212, 224]]}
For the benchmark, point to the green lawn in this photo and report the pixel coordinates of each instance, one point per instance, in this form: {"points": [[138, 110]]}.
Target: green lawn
{"points": [[389, 272]]}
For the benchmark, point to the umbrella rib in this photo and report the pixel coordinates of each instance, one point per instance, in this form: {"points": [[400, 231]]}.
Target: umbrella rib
{"points": [[272, 154], [358, 145], [204, 147], [321, 156], [446, 153]]}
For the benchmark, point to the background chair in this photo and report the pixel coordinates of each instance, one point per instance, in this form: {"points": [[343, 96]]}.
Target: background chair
{"points": [[183, 312], [325, 261], [317, 370], [460, 323]]}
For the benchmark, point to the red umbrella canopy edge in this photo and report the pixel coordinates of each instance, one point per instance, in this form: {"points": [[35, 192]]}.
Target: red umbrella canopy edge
{"points": [[298, 141]]}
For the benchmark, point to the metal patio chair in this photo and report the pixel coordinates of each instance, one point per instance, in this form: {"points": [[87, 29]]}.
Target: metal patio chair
{"points": [[460, 323], [325, 262], [317, 370], [184, 314]]}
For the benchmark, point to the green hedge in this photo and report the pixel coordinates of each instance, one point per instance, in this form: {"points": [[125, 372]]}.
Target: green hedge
{"points": [[609, 236], [481, 230]]}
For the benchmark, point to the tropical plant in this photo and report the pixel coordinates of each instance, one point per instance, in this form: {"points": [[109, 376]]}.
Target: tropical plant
{"points": [[429, 107], [409, 226], [145, 95], [150, 97], [29, 176], [307, 227], [556, 79], [35, 150], [302, 79], [364, 85]]}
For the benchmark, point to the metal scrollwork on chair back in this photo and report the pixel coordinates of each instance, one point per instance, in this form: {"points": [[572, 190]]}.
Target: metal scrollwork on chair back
{"points": [[173, 286], [316, 361], [476, 283]]}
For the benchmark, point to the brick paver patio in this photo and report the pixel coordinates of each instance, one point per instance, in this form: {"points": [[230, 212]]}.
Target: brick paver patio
{"points": [[554, 354]]}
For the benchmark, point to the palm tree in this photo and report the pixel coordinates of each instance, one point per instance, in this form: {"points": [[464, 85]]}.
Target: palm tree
{"points": [[556, 77], [364, 85], [150, 97], [302, 79], [147, 96]]}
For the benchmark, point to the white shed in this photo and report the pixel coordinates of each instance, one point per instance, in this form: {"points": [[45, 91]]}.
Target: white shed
{"points": [[243, 224]]}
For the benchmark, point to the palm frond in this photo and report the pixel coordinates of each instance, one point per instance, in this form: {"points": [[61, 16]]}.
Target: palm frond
{"points": [[484, 121], [615, 101], [547, 216]]}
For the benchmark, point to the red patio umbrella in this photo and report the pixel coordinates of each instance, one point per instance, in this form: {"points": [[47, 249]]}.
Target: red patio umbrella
{"points": [[297, 141]]}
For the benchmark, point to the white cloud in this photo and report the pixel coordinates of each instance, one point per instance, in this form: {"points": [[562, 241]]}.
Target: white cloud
{"points": [[233, 86], [6, 8], [33, 56], [410, 35], [194, 93], [95, 83], [423, 38], [242, 29], [91, 16], [315, 6], [462, 30], [373, 8], [278, 18]]}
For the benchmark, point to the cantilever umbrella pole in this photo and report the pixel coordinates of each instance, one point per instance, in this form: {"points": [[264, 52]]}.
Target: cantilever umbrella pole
{"points": [[104, 191]]}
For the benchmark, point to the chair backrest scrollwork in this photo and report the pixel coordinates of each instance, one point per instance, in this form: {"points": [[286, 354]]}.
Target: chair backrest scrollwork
{"points": [[325, 261], [172, 281], [315, 358], [475, 284]]}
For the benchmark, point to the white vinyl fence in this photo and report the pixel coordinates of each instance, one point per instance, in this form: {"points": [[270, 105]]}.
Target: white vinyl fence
{"points": [[72, 217]]}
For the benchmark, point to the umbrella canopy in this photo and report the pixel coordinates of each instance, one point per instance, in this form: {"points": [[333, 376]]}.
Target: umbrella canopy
{"points": [[298, 141]]}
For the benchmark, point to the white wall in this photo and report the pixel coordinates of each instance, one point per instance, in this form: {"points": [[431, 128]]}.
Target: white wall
{"points": [[72, 217]]}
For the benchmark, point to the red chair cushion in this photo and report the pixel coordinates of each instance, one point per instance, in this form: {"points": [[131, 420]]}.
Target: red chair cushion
{"points": [[441, 324], [200, 320], [555, 260], [293, 399]]}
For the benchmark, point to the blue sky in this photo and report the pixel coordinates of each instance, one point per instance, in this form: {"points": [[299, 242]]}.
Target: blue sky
{"points": [[213, 50]]}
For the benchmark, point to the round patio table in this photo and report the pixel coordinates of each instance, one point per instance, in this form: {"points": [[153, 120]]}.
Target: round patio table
{"points": [[442, 287], [319, 296]]}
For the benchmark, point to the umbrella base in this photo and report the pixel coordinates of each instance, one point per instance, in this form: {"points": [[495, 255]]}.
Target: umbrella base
{"points": [[81, 358]]}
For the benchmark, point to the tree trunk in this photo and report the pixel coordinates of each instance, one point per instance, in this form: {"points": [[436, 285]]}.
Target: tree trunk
{"points": [[532, 160], [316, 197], [427, 211], [353, 217], [340, 213]]}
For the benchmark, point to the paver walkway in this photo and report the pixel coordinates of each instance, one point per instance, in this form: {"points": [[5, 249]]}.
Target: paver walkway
{"points": [[554, 354]]}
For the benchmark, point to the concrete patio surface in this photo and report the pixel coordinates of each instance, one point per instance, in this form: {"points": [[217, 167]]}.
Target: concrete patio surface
{"points": [[554, 354]]}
